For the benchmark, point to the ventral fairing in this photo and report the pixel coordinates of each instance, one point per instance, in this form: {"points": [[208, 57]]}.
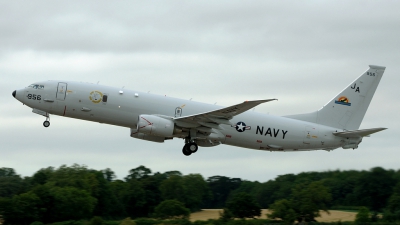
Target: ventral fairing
{"points": [[158, 118]]}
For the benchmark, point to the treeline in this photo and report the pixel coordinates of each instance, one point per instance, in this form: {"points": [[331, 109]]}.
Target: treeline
{"points": [[77, 192]]}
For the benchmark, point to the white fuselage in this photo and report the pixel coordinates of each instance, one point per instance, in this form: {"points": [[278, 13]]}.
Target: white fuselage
{"points": [[123, 107]]}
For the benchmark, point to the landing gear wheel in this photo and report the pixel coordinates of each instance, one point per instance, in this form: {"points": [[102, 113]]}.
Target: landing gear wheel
{"points": [[192, 147], [46, 123], [185, 151]]}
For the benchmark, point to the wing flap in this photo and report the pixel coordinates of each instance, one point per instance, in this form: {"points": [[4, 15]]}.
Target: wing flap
{"points": [[358, 133]]}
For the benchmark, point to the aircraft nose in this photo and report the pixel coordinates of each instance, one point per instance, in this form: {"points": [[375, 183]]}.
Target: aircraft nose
{"points": [[14, 93]]}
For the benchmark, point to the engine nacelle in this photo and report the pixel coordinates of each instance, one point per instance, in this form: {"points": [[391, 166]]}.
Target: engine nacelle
{"points": [[155, 125], [138, 135]]}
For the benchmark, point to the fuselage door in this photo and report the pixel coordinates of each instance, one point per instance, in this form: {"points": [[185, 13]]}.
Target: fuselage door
{"points": [[61, 90], [178, 112]]}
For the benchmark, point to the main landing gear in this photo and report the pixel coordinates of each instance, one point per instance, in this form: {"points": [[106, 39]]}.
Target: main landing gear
{"points": [[190, 147], [46, 123]]}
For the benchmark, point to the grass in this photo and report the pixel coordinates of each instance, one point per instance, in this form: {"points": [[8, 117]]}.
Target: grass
{"points": [[335, 215]]}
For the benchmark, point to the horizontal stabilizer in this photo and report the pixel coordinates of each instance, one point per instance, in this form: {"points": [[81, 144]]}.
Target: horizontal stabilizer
{"points": [[358, 133]]}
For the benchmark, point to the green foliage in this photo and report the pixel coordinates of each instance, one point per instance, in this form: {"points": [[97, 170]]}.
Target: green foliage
{"points": [[72, 203], [169, 209], [375, 187], [394, 200], [146, 221], [138, 173], [282, 209], [20, 208], [304, 203], [10, 183], [308, 199], [243, 205], [108, 174], [37, 223], [221, 187], [226, 215], [69, 222], [77, 192], [127, 221], [191, 189], [97, 220], [363, 216]]}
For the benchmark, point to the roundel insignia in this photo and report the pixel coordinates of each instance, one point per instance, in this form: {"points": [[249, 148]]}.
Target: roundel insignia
{"points": [[95, 96], [241, 126]]}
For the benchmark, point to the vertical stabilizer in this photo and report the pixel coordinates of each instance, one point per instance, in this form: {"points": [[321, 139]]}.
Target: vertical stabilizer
{"points": [[347, 110]]}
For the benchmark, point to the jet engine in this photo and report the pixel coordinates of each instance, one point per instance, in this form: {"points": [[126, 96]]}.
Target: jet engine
{"points": [[142, 136], [155, 125]]}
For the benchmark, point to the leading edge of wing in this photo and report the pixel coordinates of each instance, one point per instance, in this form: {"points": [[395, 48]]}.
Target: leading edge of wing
{"points": [[223, 115]]}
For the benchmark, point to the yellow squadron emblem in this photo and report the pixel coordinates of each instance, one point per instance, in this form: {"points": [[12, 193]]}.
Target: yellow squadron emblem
{"points": [[96, 96]]}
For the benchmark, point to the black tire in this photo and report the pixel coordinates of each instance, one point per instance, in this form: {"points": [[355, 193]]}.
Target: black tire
{"points": [[185, 151], [46, 123]]}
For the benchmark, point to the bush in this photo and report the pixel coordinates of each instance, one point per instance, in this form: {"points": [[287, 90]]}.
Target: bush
{"points": [[170, 209], [147, 221], [127, 221], [97, 220], [363, 216], [69, 222], [36, 223]]}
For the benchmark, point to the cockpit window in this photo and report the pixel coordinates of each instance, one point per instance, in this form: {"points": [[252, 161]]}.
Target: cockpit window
{"points": [[36, 86]]}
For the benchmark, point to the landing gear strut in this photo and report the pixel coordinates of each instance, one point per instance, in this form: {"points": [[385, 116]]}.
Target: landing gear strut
{"points": [[46, 123], [190, 147]]}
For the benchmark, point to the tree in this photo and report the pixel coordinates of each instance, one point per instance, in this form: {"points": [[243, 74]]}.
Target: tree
{"points": [[72, 203], [282, 209], [138, 173], [243, 205], [7, 172], [172, 209], [392, 212], [308, 199], [226, 215], [109, 175], [195, 191], [304, 203], [363, 216], [172, 188], [221, 188], [375, 187], [20, 209], [10, 183]]}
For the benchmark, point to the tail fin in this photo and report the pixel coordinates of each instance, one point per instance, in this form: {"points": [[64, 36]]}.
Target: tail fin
{"points": [[346, 111]]}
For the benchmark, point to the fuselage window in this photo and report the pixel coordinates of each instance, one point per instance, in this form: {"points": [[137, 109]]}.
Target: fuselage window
{"points": [[105, 97]]}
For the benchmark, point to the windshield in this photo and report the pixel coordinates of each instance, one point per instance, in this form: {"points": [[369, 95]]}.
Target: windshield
{"points": [[36, 86]]}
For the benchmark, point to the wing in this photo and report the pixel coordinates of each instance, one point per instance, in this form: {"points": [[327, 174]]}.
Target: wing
{"points": [[212, 119], [358, 133]]}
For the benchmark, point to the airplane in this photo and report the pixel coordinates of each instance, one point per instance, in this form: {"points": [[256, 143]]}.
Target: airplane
{"points": [[159, 118]]}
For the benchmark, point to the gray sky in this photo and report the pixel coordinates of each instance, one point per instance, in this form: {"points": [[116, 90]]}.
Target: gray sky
{"points": [[301, 52]]}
